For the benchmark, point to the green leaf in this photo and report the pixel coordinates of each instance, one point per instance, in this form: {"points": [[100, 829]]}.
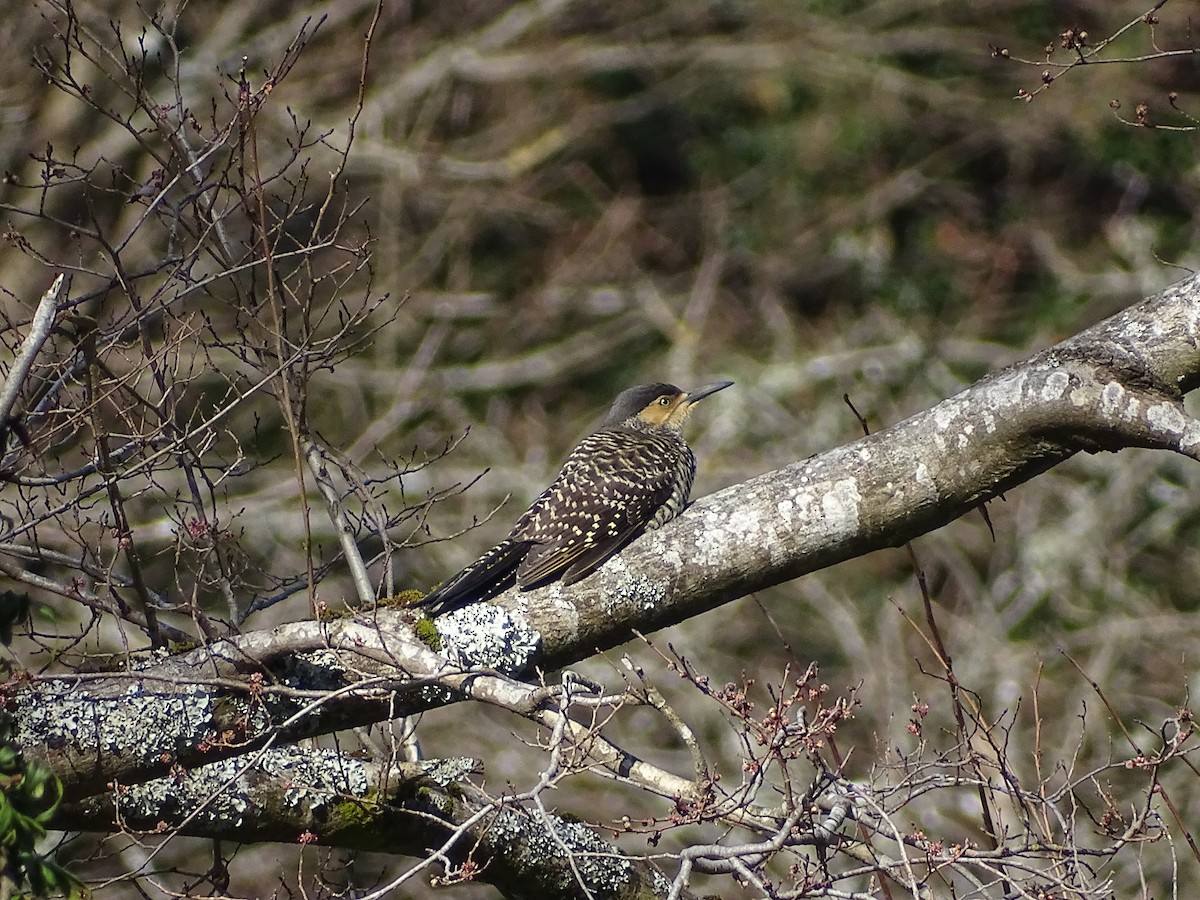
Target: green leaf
{"points": [[10, 760], [9, 835]]}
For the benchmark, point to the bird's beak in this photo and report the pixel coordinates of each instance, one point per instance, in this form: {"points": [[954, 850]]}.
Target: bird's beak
{"points": [[700, 393]]}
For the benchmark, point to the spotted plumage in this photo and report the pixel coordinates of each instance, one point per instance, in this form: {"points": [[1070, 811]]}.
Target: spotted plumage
{"points": [[632, 474]]}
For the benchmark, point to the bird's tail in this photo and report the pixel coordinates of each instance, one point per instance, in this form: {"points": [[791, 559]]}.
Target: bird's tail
{"points": [[482, 580]]}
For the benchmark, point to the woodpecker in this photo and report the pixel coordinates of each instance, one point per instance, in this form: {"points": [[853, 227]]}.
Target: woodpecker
{"points": [[632, 474]]}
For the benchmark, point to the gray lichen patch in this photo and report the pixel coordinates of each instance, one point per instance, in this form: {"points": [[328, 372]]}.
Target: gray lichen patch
{"points": [[225, 795], [449, 770], [645, 592], [314, 777], [603, 874], [209, 795], [141, 725], [486, 636]]}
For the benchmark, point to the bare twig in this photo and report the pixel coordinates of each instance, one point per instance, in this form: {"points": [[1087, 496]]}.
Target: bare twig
{"points": [[39, 331]]}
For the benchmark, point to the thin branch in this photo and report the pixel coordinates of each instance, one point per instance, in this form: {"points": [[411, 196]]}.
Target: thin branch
{"points": [[345, 532], [39, 332]]}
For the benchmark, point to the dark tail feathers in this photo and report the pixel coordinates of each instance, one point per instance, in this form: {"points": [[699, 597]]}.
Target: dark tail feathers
{"points": [[482, 580]]}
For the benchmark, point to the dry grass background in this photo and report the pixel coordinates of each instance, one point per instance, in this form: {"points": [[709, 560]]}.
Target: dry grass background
{"points": [[811, 198]]}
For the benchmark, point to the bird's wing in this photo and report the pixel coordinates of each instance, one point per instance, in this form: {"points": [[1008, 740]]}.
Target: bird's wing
{"points": [[598, 503], [577, 553], [594, 557]]}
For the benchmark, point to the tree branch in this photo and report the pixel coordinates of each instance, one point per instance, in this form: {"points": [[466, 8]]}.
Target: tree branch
{"points": [[1118, 384], [321, 796], [39, 331]]}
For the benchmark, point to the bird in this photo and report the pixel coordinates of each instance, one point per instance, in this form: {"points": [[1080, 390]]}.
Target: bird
{"points": [[632, 474]]}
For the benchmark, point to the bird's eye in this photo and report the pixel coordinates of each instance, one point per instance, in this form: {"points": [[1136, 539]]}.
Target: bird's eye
{"points": [[664, 401]]}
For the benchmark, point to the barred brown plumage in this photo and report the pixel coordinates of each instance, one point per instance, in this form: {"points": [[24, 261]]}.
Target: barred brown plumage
{"points": [[632, 474]]}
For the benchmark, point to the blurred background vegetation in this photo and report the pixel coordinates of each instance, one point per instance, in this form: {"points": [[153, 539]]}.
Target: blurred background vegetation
{"points": [[811, 198]]}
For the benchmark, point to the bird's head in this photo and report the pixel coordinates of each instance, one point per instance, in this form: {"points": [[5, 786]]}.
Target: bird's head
{"points": [[658, 405]]}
